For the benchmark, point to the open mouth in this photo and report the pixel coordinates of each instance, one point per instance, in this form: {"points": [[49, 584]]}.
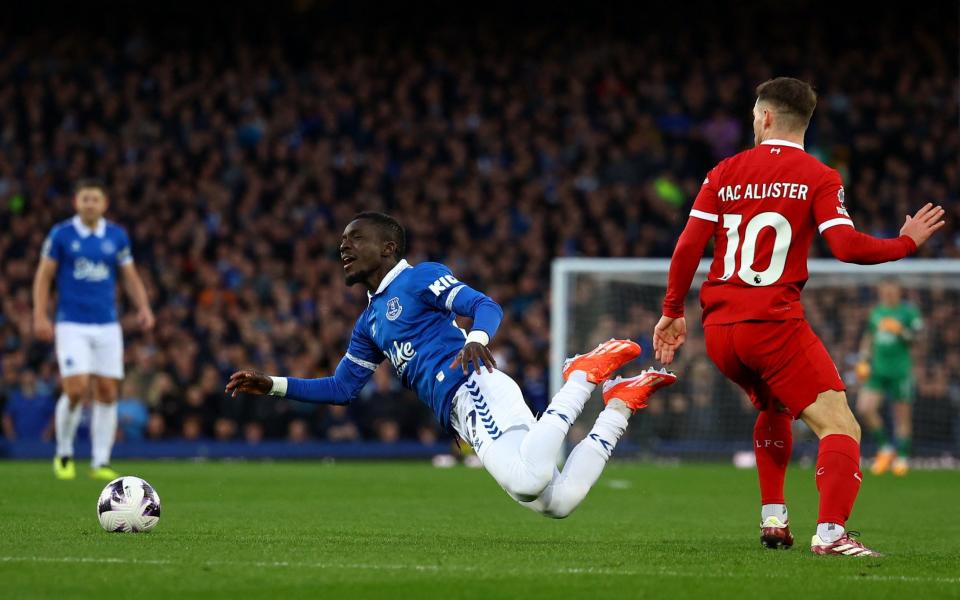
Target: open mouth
{"points": [[347, 261]]}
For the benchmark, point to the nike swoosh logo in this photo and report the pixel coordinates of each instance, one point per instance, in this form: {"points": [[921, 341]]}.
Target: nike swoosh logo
{"points": [[857, 477], [820, 471]]}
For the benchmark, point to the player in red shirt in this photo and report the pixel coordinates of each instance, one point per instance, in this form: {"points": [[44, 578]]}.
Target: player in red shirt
{"points": [[762, 207]]}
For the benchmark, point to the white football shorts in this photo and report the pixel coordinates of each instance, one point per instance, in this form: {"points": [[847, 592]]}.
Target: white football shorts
{"points": [[487, 406], [94, 349]]}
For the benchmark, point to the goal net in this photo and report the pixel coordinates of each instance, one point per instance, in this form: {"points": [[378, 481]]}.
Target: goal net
{"points": [[704, 414]]}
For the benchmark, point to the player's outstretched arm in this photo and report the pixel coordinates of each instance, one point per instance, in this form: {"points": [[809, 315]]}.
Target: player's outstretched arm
{"points": [[349, 378], [42, 325], [849, 245]]}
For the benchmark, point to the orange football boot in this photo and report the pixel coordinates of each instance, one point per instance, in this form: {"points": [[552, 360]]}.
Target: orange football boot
{"points": [[603, 360], [900, 466], [881, 464], [635, 391]]}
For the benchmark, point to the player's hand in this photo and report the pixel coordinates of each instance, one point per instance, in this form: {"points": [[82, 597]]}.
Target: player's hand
{"points": [[43, 328], [924, 224], [891, 325], [668, 336], [863, 371], [145, 318], [476, 354], [249, 382]]}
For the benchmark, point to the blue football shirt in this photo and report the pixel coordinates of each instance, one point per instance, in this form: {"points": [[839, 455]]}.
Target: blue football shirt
{"points": [[410, 321], [87, 264]]}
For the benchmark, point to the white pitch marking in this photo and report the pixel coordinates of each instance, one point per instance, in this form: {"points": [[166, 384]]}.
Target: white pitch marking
{"points": [[450, 568]]}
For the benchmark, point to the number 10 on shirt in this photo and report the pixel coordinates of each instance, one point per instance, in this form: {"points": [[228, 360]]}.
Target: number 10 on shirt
{"points": [[747, 247]]}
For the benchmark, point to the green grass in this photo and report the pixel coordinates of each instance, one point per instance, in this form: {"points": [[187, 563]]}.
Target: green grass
{"points": [[400, 530]]}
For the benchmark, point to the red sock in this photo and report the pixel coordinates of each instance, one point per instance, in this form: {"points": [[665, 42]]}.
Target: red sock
{"points": [[772, 445], [838, 477]]}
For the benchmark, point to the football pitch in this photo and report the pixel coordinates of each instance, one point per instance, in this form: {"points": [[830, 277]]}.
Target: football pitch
{"points": [[408, 530]]}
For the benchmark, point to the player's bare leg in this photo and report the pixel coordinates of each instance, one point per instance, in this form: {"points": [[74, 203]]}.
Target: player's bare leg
{"points": [[103, 427], [587, 460], [903, 435], [838, 473], [868, 408], [76, 389], [772, 446], [524, 462]]}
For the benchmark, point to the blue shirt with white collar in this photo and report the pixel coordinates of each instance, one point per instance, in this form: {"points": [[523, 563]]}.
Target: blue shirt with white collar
{"points": [[87, 264], [410, 321]]}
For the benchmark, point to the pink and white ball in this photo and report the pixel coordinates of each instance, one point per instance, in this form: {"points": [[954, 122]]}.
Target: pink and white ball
{"points": [[128, 504]]}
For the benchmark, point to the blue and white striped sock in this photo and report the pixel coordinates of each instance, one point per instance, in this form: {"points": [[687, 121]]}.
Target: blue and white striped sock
{"points": [[568, 403]]}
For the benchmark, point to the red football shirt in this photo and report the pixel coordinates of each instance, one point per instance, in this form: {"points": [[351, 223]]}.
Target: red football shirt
{"points": [[766, 202]]}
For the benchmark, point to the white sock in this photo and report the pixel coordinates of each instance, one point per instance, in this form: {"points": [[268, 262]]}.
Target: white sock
{"points": [[67, 422], [103, 430], [567, 405], [543, 442], [829, 532], [773, 510], [603, 438], [584, 465]]}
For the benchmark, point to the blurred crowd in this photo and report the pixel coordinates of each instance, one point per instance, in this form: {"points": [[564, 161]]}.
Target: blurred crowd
{"points": [[235, 165]]}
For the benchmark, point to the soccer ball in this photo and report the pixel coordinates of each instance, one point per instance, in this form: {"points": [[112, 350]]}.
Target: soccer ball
{"points": [[128, 504]]}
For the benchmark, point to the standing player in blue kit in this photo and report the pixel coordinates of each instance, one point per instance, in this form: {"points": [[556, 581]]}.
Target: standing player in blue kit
{"points": [[85, 254]]}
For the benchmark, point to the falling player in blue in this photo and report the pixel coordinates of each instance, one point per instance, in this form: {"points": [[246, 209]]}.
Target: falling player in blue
{"points": [[410, 321], [85, 254]]}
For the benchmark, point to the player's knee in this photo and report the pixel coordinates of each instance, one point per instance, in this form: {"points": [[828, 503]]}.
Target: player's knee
{"points": [[75, 395], [525, 489], [106, 391], [528, 482], [843, 422], [831, 415], [854, 428], [565, 500]]}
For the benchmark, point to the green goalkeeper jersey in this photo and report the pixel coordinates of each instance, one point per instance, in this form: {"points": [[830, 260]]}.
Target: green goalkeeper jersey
{"points": [[893, 328]]}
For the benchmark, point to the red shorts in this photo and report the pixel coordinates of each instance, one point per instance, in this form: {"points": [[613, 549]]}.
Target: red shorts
{"points": [[774, 361]]}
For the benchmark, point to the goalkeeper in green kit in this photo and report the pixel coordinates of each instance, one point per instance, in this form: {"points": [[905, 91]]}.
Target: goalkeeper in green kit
{"points": [[886, 371]]}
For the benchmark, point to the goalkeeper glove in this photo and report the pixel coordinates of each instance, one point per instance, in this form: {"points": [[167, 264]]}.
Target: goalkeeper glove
{"points": [[890, 324]]}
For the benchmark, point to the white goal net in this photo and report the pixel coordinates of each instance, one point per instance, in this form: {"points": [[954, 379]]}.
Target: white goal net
{"points": [[596, 299]]}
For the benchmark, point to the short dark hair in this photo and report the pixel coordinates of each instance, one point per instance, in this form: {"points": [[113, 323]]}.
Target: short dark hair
{"points": [[89, 182], [793, 97], [390, 229]]}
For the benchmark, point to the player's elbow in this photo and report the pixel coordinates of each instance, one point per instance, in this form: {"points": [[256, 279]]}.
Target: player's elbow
{"points": [[43, 277], [346, 392], [843, 254], [842, 249], [687, 252], [493, 306]]}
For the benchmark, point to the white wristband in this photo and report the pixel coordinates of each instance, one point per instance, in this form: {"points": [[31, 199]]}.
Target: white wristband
{"points": [[478, 336], [279, 386]]}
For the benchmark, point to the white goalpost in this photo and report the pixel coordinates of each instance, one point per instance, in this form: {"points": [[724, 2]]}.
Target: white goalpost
{"points": [[593, 299]]}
